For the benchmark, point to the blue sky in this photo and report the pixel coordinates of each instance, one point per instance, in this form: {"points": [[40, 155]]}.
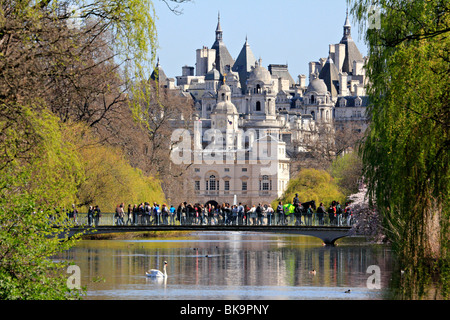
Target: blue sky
{"points": [[282, 31]]}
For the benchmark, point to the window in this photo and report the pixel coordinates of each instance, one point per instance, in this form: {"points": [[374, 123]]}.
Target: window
{"points": [[227, 169], [244, 169], [244, 185], [312, 99], [258, 106], [196, 185], [212, 182], [227, 185], [197, 169], [265, 184]]}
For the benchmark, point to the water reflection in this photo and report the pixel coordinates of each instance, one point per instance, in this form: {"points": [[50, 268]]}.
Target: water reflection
{"points": [[229, 266]]}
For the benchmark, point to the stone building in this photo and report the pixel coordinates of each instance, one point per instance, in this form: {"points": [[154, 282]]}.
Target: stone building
{"points": [[253, 117]]}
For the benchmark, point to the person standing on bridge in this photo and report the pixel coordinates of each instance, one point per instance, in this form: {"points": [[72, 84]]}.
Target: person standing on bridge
{"points": [[74, 214], [270, 215], [309, 213], [117, 215], [259, 214], [332, 213], [252, 215], [339, 214], [97, 215], [135, 214], [280, 214], [296, 201], [240, 214], [129, 214], [320, 213], [172, 215], [181, 213], [164, 214], [298, 209], [90, 215], [156, 212]]}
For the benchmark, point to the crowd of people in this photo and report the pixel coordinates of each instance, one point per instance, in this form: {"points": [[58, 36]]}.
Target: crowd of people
{"points": [[212, 213]]}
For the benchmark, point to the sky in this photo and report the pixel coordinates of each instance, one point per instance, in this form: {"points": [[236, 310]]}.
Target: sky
{"points": [[278, 31]]}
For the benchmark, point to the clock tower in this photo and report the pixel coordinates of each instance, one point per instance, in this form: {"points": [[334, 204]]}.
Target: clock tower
{"points": [[225, 116]]}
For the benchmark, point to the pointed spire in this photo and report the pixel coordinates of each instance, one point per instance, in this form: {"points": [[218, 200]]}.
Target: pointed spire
{"points": [[219, 31], [218, 22], [347, 21], [347, 26]]}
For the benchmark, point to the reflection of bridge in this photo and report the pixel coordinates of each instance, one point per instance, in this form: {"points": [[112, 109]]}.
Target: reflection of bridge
{"points": [[328, 234]]}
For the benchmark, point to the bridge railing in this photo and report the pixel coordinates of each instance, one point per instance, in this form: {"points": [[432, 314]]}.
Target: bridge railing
{"points": [[109, 219]]}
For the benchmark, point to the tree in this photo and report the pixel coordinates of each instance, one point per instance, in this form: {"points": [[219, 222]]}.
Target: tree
{"points": [[347, 171], [32, 185], [60, 61], [312, 184], [159, 110], [109, 179], [406, 152], [325, 144]]}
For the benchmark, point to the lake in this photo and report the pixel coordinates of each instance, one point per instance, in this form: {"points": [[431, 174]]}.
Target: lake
{"points": [[232, 265]]}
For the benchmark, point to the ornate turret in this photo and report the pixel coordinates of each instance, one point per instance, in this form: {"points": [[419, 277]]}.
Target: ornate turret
{"points": [[223, 57], [351, 50]]}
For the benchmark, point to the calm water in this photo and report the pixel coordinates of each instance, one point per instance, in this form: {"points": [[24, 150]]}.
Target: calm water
{"points": [[230, 265]]}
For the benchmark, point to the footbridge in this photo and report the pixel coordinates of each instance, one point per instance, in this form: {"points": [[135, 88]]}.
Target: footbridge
{"points": [[328, 234]]}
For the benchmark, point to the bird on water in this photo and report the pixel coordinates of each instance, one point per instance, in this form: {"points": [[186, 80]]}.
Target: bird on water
{"points": [[154, 273]]}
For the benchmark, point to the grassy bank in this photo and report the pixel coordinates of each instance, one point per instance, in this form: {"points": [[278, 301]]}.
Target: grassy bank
{"points": [[137, 235]]}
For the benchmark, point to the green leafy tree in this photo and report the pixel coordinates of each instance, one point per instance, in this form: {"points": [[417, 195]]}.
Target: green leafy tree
{"points": [[55, 59], [109, 179], [39, 180], [312, 184], [406, 151], [347, 171]]}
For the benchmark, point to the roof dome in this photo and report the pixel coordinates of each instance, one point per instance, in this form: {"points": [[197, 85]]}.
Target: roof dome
{"points": [[213, 74], [225, 106], [224, 88], [318, 85], [260, 73]]}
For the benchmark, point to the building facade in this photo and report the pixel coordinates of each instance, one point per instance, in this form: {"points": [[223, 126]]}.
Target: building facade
{"points": [[253, 117]]}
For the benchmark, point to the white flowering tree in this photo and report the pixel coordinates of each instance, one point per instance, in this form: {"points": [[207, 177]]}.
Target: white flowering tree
{"points": [[367, 219]]}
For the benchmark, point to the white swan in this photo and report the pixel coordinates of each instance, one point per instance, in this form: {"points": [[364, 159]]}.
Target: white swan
{"points": [[154, 273]]}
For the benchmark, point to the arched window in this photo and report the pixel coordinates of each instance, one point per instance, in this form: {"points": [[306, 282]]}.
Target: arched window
{"points": [[212, 182], [258, 106], [258, 88], [312, 99], [313, 114]]}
